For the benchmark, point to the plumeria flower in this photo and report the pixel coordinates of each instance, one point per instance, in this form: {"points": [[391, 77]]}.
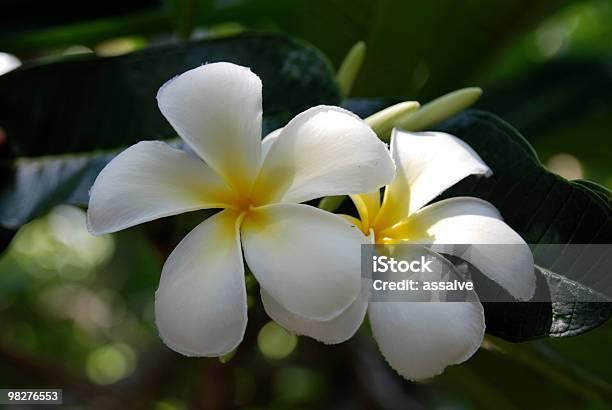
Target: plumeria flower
{"points": [[305, 258], [420, 339]]}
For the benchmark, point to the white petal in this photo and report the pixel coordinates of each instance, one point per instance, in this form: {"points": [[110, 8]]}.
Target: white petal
{"points": [[332, 331], [321, 152], [474, 221], [307, 259], [427, 164], [151, 180], [267, 142], [200, 306], [420, 339], [216, 108]]}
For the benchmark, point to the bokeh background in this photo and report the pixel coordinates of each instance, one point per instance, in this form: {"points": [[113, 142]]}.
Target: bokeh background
{"points": [[76, 311]]}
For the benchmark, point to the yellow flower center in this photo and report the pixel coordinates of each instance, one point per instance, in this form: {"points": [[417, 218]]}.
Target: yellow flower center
{"points": [[382, 220], [242, 204]]}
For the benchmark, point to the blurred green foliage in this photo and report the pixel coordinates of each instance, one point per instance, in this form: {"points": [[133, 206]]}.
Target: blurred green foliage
{"points": [[77, 311]]}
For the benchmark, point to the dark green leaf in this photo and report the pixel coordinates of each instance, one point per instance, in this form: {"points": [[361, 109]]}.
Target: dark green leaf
{"points": [[39, 184], [601, 191]]}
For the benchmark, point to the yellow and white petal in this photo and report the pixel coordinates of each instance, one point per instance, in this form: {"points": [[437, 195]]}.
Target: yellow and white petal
{"points": [[323, 151], [427, 164], [367, 205], [267, 142], [332, 331], [466, 220], [307, 259], [151, 180], [420, 339], [216, 108], [200, 306]]}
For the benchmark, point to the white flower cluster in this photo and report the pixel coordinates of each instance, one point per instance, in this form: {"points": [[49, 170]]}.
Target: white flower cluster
{"points": [[306, 260]]}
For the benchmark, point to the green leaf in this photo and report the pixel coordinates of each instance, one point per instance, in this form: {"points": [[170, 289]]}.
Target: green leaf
{"points": [[80, 113], [39, 184], [601, 191]]}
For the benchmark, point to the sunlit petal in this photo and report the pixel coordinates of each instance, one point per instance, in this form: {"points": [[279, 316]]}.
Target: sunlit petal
{"points": [[267, 142], [151, 180], [333, 331], [307, 259], [427, 164], [420, 339], [216, 108], [200, 306], [321, 152], [467, 220]]}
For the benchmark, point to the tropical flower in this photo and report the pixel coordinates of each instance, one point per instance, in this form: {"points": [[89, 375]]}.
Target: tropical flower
{"points": [[420, 339], [305, 258]]}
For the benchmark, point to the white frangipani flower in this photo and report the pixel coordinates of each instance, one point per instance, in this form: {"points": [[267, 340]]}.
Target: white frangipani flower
{"points": [[420, 339], [306, 258]]}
